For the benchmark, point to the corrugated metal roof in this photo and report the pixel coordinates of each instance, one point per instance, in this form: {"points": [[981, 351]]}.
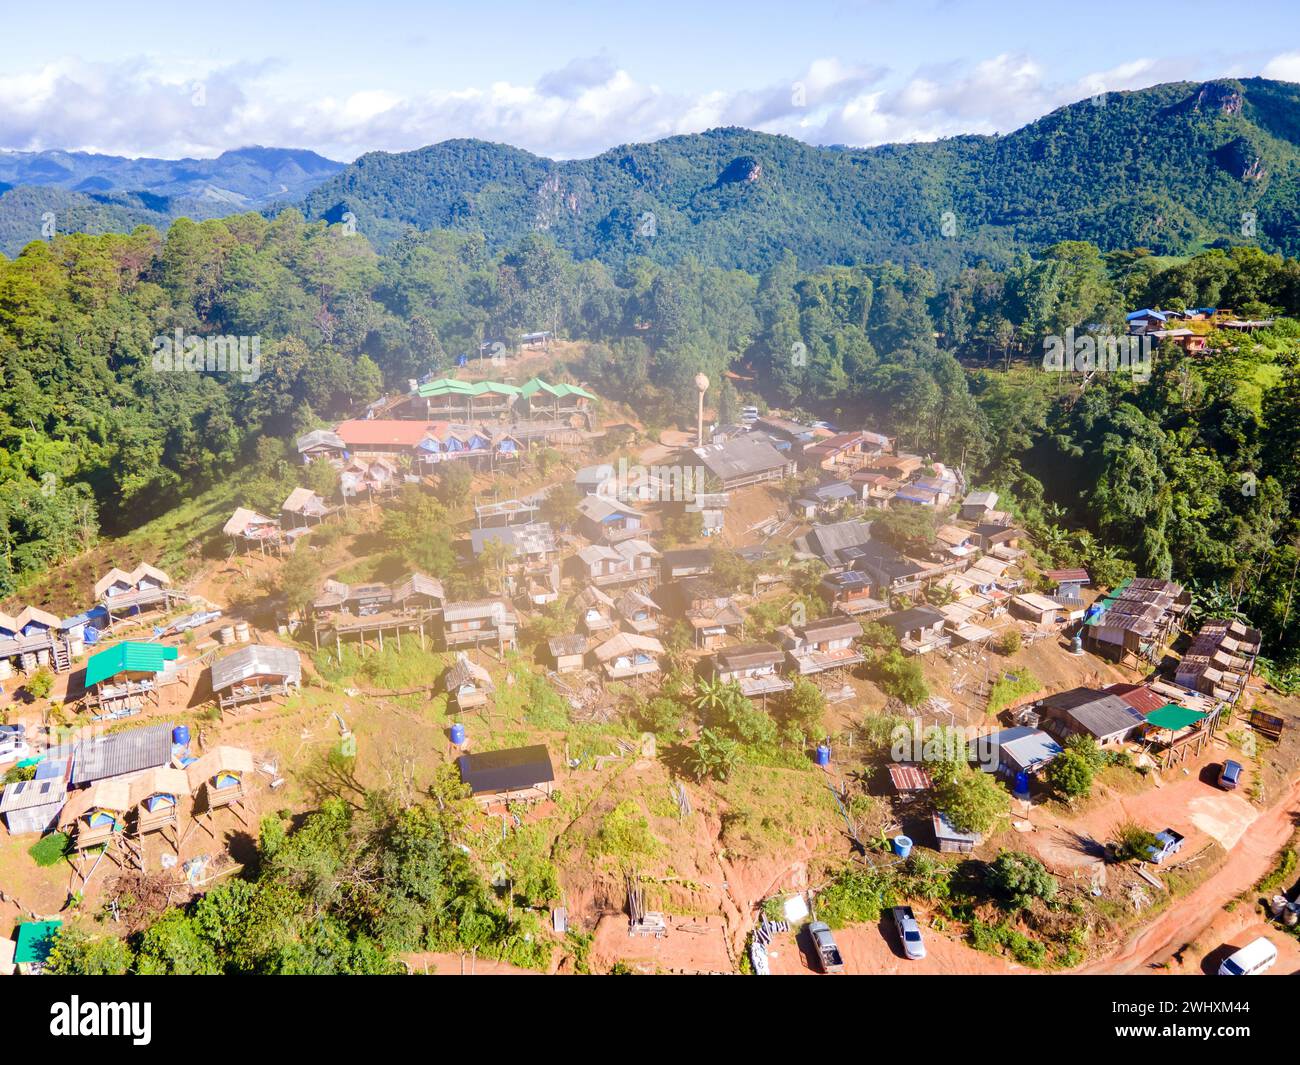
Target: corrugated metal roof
{"points": [[255, 660], [120, 752], [27, 794], [741, 457]]}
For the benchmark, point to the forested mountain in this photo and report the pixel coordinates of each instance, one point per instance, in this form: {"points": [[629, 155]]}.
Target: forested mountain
{"points": [[1171, 168], [90, 193]]}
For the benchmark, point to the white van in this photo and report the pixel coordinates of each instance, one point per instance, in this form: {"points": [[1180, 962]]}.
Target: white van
{"points": [[1254, 958]]}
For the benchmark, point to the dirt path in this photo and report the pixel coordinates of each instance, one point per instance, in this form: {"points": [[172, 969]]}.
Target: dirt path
{"points": [[1188, 918]]}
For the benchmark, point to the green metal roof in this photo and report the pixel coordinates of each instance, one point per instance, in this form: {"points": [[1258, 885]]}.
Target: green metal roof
{"points": [[128, 657], [35, 938], [1174, 717], [449, 386], [536, 384]]}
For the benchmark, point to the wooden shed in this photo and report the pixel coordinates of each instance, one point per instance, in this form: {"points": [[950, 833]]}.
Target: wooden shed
{"points": [[220, 778], [949, 840]]}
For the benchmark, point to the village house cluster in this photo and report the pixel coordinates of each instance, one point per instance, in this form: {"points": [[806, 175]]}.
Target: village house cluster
{"points": [[629, 587]]}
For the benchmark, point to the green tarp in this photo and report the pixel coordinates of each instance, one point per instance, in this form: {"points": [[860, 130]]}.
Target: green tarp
{"points": [[35, 938], [1174, 717], [128, 657]]}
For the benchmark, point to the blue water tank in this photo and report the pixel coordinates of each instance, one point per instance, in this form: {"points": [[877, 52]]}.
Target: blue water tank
{"points": [[181, 735], [823, 754], [1022, 783], [458, 734], [902, 846]]}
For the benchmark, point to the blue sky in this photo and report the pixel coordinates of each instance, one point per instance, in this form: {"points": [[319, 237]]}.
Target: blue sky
{"points": [[571, 79]]}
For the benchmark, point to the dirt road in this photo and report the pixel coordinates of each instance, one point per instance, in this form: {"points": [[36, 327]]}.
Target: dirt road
{"points": [[1188, 918]]}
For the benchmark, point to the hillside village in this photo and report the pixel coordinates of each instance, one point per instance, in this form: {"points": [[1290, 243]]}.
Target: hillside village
{"points": [[692, 691]]}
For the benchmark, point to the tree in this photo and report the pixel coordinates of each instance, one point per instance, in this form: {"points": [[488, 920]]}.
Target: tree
{"points": [[731, 571], [299, 580], [1133, 842], [493, 562], [173, 945], [1019, 878], [903, 678], [322, 478], [76, 952], [660, 714], [712, 755], [1070, 774], [972, 800], [419, 530], [905, 526], [452, 482], [802, 709], [560, 507]]}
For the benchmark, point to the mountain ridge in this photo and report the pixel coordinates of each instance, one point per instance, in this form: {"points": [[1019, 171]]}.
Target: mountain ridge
{"points": [[1174, 167]]}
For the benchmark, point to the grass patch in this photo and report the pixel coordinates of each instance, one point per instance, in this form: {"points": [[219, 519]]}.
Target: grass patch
{"points": [[1003, 938], [1010, 688], [50, 850], [766, 808]]}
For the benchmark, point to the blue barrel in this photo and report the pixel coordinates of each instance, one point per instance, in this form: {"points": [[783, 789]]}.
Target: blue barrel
{"points": [[1022, 783], [902, 846], [823, 754], [458, 734], [181, 735]]}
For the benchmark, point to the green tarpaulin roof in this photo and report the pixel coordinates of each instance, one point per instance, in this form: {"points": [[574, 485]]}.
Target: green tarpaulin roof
{"points": [[35, 938], [128, 657], [1174, 717]]}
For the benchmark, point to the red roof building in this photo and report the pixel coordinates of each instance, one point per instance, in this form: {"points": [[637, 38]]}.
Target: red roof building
{"points": [[1138, 696], [382, 434]]}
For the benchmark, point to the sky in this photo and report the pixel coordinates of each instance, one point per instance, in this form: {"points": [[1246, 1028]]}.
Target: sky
{"points": [[571, 79]]}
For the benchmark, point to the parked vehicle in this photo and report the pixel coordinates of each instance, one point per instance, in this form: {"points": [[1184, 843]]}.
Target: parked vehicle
{"points": [[828, 955], [13, 743], [909, 932], [1230, 775], [1257, 956], [1167, 843]]}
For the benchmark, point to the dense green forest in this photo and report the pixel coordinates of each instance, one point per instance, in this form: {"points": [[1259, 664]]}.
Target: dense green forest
{"points": [[1188, 473], [1173, 168]]}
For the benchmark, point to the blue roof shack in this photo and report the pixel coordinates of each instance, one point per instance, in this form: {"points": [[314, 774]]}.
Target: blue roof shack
{"points": [[914, 493], [1145, 320]]}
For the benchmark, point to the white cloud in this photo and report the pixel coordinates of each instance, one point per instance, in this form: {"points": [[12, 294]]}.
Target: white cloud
{"points": [[1285, 67], [154, 107]]}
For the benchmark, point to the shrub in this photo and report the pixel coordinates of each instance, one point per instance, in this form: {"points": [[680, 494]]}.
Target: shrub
{"points": [[1132, 842], [40, 683], [1070, 774], [659, 714], [1017, 879], [49, 850], [972, 800], [903, 678]]}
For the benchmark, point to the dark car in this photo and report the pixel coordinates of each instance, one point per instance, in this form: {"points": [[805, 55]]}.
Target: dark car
{"points": [[1230, 775]]}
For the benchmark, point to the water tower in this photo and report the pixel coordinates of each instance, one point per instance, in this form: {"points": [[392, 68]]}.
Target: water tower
{"points": [[701, 386]]}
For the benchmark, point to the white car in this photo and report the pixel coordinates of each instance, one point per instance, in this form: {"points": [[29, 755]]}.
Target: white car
{"points": [[909, 932], [1255, 957], [13, 743]]}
